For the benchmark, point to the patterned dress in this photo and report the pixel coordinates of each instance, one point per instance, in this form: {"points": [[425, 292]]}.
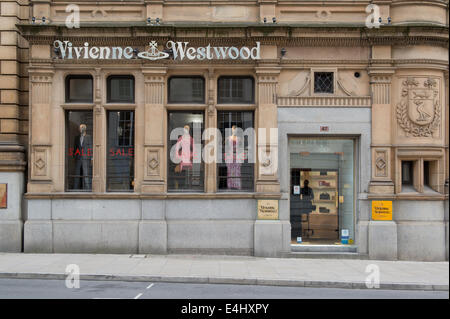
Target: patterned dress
{"points": [[234, 168]]}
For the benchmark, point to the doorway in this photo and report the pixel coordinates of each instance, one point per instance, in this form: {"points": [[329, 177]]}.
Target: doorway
{"points": [[321, 191]]}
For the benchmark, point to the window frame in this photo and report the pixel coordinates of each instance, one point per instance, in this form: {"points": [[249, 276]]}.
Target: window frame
{"points": [[169, 146], [236, 77], [131, 190], [120, 76], [69, 77], [186, 77], [252, 190], [333, 81], [67, 142]]}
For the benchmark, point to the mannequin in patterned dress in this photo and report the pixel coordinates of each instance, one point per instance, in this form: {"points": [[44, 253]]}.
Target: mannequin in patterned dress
{"points": [[233, 167]]}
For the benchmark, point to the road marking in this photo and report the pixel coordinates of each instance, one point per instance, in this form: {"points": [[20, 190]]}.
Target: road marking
{"points": [[138, 296], [149, 286]]}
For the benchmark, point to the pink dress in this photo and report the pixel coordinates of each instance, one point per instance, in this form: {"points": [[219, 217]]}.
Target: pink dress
{"points": [[184, 150]]}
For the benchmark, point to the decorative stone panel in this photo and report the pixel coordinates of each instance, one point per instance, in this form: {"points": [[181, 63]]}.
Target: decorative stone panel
{"points": [[419, 110], [40, 162]]}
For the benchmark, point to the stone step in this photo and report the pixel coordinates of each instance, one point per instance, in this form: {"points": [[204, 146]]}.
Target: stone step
{"points": [[324, 248], [325, 255]]}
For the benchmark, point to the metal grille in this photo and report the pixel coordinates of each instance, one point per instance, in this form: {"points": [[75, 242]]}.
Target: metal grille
{"points": [[323, 82]]}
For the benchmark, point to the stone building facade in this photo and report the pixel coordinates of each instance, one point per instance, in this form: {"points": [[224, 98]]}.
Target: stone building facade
{"points": [[361, 111]]}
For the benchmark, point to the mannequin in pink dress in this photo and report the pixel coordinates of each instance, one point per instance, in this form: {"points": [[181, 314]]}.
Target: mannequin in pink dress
{"points": [[184, 152], [233, 167]]}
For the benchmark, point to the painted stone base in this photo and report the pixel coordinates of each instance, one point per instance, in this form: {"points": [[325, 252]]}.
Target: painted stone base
{"points": [[11, 225], [382, 240], [132, 226], [11, 236]]}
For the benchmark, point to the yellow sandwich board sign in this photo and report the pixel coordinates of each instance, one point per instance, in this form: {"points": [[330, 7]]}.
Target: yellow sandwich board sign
{"points": [[381, 210]]}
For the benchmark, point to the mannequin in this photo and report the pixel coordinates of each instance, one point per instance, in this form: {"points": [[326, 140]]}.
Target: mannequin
{"points": [[233, 167], [184, 150], [83, 158]]}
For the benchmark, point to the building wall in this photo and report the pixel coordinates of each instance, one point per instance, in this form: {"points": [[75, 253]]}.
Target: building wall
{"points": [[408, 55], [13, 120]]}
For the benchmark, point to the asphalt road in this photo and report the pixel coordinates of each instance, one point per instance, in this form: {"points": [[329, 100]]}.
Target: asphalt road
{"points": [[56, 289]]}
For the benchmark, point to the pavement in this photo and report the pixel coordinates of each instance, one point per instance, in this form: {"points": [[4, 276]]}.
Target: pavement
{"points": [[243, 270]]}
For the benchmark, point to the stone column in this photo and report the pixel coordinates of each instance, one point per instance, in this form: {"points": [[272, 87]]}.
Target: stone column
{"points": [[266, 119], [100, 140], [382, 235], [153, 155], [40, 165], [155, 151], [382, 156], [270, 236], [211, 123], [446, 186]]}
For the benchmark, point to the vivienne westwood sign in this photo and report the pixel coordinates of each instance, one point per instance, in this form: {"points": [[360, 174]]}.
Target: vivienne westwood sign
{"points": [[179, 50]]}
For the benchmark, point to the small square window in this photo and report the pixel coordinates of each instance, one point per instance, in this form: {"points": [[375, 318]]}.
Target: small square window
{"points": [[120, 89], [186, 89], [79, 89], [323, 82], [235, 89]]}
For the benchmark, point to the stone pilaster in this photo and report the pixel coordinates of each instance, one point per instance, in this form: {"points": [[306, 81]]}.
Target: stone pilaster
{"points": [[211, 123], [155, 135], [267, 136], [267, 9], [40, 179], [382, 156], [41, 8], [154, 9]]}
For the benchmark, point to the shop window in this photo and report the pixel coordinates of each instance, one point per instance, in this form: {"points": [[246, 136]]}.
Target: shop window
{"points": [[323, 82], [185, 165], [233, 89], [120, 89], [79, 89], [120, 158], [186, 90], [236, 168], [79, 150]]}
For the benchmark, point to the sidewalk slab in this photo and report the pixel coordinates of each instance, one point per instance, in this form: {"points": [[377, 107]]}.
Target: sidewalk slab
{"points": [[298, 272]]}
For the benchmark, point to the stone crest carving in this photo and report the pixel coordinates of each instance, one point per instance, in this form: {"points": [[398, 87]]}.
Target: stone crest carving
{"points": [[419, 110]]}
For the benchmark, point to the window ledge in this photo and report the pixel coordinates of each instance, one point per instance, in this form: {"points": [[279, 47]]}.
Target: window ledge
{"points": [[73, 195]]}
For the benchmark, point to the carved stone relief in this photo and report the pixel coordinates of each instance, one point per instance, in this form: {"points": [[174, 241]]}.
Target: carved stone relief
{"points": [[419, 109], [381, 162], [153, 163]]}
